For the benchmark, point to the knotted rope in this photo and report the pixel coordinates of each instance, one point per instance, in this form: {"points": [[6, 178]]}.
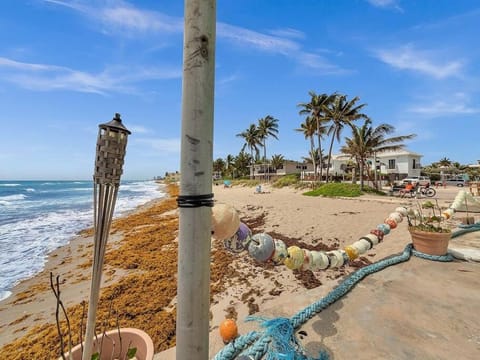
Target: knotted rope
{"points": [[278, 340]]}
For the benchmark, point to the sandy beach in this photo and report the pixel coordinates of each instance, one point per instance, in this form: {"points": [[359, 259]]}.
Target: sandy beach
{"points": [[415, 310]]}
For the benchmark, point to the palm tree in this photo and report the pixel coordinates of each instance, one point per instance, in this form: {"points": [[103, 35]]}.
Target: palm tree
{"points": [[367, 140], [277, 161], [219, 166], [241, 163], [267, 126], [445, 162], [230, 164], [341, 112], [252, 140], [309, 128], [316, 108]]}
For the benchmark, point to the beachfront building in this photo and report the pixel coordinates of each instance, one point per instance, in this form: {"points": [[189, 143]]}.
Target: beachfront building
{"points": [[265, 171], [399, 164], [391, 165], [475, 166]]}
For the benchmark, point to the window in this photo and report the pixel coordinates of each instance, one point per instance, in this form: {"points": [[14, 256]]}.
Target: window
{"points": [[414, 163], [391, 164]]}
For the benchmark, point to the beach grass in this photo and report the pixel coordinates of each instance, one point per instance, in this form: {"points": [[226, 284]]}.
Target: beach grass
{"points": [[342, 189]]}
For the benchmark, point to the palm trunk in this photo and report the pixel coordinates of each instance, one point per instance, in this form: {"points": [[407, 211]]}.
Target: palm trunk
{"points": [[330, 153], [361, 174], [264, 159], [320, 149], [312, 150], [252, 169]]}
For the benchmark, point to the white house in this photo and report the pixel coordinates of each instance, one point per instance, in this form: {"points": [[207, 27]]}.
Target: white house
{"points": [[400, 164], [258, 171], [395, 165]]}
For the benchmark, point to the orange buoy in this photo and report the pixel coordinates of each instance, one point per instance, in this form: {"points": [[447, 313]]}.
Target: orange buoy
{"points": [[228, 330]]}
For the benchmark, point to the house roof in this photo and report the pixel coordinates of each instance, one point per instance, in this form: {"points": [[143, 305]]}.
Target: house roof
{"points": [[380, 155], [397, 153]]}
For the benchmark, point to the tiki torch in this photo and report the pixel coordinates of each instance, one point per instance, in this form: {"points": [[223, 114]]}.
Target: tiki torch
{"points": [[109, 158]]}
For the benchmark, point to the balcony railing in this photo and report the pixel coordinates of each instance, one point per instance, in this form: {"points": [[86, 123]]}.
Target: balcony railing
{"points": [[392, 170]]}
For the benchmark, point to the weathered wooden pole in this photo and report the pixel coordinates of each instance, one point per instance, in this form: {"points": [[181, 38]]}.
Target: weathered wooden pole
{"points": [[196, 198]]}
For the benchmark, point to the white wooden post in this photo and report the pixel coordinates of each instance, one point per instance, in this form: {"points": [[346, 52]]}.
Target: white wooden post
{"points": [[193, 288]]}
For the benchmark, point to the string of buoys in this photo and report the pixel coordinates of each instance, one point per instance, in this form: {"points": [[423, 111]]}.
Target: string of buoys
{"points": [[237, 237]]}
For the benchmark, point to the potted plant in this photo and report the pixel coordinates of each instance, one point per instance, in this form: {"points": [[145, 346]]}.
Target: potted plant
{"points": [[428, 228], [121, 343]]}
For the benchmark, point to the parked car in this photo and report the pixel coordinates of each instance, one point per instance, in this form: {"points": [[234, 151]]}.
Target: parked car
{"points": [[421, 180], [455, 182]]}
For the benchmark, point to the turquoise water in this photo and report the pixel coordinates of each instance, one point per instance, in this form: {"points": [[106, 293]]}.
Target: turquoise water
{"points": [[36, 217]]}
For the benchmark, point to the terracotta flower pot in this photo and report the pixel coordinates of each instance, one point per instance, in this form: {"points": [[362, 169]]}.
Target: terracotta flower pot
{"points": [[131, 338], [431, 243]]}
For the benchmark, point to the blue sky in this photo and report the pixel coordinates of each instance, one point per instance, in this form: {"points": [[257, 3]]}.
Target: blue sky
{"points": [[67, 66]]}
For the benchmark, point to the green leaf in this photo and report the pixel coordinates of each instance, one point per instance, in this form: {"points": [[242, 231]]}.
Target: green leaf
{"points": [[428, 205], [131, 353], [95, 356]]}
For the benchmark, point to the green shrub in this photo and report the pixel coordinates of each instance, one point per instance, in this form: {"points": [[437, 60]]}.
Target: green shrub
{"points": [[246, 182], [287, 180], [341, 189]]}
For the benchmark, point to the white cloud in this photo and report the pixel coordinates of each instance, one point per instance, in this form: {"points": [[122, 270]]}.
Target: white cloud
{"points": [[442, 108], [44, 77], [138, 129], [255, 39], [423, 61], [171, 146], [128, 20], [453, 104], [126, 17], [386, 4], [121, 16], [289, 33], [74, 5], [226, 79], [278, 45], [319, 62], [5, 62]]}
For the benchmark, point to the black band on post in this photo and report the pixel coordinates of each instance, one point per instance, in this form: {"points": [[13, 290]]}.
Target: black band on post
{"points": [[193, 201]]}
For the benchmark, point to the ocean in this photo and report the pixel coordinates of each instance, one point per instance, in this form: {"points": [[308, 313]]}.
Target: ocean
{"points": [[36, 217]]}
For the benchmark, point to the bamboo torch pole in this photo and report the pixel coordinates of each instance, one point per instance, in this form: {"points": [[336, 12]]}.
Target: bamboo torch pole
{"points": [[111, 147], [195, 197]]}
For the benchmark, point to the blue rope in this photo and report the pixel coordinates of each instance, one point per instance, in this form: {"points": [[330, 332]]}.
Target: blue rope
{"points": [[278, 340], [466, 229]]}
